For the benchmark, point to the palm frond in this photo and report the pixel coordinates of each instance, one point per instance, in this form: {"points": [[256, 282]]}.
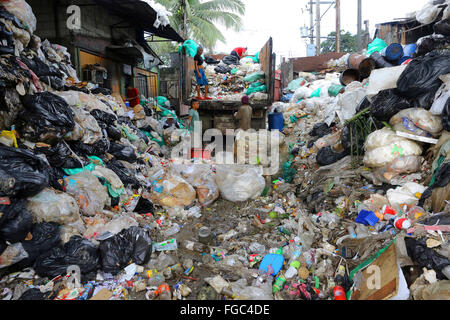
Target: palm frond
{"points": [[223, 5], [228, 19]]}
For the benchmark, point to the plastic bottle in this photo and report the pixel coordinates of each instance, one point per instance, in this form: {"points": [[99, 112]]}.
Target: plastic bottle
{"points": [[172, 230], [193, 246], [351, 231], [297, 251], [339, 293], [293, 269], [156, 280], [279, 283]]}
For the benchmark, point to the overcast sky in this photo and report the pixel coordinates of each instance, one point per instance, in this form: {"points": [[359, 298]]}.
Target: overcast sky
{"points": [[282, 19]]}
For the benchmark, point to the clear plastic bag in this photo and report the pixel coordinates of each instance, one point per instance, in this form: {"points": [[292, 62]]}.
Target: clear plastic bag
{"points": [[383, 146], [419, 117], [91, 195], [53, 206], [401, 165], [408, 194], [176, 192], [239, 182], [12, 254]]}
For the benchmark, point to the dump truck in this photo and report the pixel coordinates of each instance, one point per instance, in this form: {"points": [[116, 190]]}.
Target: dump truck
{"points": [[219, 114]]}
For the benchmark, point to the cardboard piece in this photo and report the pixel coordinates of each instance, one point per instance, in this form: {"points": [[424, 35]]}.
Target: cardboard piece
{"points": [[389, 278], [103, 294]]}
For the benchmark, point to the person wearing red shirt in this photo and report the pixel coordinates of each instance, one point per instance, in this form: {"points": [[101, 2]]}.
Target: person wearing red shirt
{"points": [[239, 52], [133, 96]]}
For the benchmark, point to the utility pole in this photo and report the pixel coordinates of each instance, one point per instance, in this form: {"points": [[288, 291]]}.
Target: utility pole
{"points": [[338, 25], [318, 27], [311, 29], [359, 37]]}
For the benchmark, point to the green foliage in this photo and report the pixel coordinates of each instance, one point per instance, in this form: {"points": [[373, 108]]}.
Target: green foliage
{"points": [[202, 18], [348, 43]]}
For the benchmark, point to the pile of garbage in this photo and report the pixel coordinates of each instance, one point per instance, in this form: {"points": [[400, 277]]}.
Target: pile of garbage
{"points": [[231, 78], [93, 206]]}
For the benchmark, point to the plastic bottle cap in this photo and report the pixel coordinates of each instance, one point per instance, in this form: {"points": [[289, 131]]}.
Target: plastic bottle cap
{"points": [[295, 264]]}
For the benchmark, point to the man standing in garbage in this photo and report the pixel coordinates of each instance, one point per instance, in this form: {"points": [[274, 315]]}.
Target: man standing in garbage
{"points": [[200, 75], [239, 52], [244, 115], [132, 96]]}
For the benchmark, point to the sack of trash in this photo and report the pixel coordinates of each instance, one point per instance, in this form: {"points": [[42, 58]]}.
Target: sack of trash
{"points": [[417, 121], [90, 194], [239, 182], [174, 191], [383, 146]]}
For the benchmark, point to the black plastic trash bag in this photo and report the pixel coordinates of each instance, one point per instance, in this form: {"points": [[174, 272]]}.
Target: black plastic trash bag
{"points": [[45, 236], [320, 130], [56, 178], [222, 69], [432, 42], [104, 91], [127, 177], [114, 133], [211, 60], [98, 148], [144, 206], [33, 294], [22, 173], [420, 80], [46, 118], [128, 246], [426, 257], [231, 60], [6, 40], [446, 116], [387, 103], [103, 116], [16, 221], [78, 251], [442, 27], [122, 152], [442, 180], [56, 83], [327, 156], [60, 156]]}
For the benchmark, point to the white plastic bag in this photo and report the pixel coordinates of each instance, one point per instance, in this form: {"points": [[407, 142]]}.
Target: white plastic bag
{"points": [[428, 14], [52, 206], [442, 95], [421, 118], [383, 79], [12, 254], [91, 195], [239, 182], [383, 146], [408, 194]]}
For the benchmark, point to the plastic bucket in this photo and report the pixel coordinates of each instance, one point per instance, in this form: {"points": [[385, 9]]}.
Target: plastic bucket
{"points": [[380, 62], [393, 52], [276, 121], [349, 75]]}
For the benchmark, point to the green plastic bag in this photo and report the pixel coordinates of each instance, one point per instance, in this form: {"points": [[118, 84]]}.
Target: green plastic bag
{"points": [[261, 88], [190, 47], [376, 45], [295, 84], [160, 142], [161, 101], [233, 71], [255, 76], [335, 90], [89, 167], [256, 58], [316, 93]]}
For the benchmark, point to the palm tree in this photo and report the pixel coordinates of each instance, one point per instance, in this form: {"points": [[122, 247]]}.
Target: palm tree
{"points": [[201, 17]]}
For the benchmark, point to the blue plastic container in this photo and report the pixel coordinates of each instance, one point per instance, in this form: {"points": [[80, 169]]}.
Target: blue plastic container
{"points": [[367, 218], [393, 52], [409, 50], [276, 121]]}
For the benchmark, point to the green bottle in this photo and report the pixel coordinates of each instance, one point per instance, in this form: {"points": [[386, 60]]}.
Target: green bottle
{"points": [[279, 283]]}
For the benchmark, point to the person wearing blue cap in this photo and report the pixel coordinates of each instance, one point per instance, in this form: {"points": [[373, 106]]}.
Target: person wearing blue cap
{"points": [[244, 115]]}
